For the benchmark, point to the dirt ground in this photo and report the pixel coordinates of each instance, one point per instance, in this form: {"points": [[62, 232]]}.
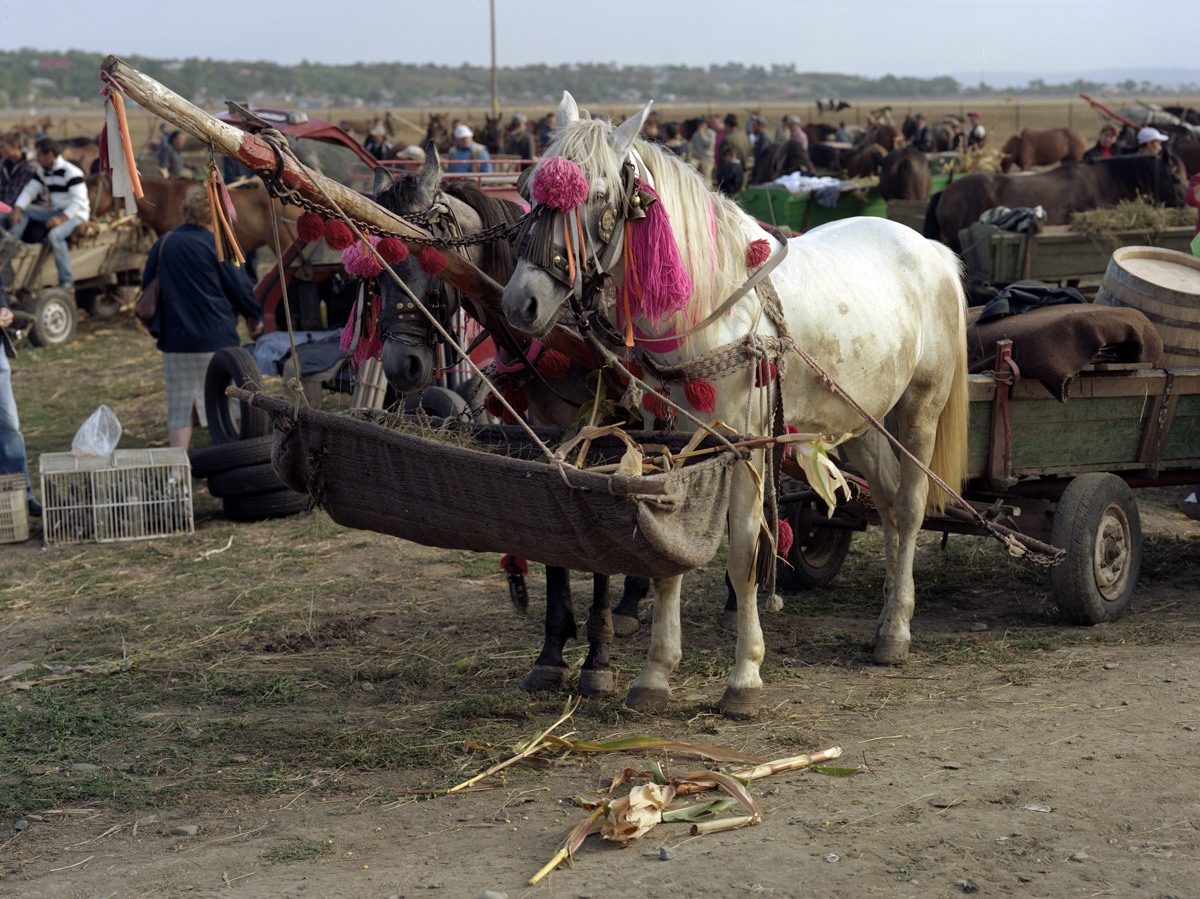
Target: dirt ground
{"points": [[1067, 769]]}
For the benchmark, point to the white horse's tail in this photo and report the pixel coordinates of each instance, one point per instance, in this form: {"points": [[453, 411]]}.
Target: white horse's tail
{"points": [[949, 460]]}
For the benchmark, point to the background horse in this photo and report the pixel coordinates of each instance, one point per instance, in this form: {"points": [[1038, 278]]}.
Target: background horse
{"points": [[904, 175], [1030, 148], [1070, 188], [880, 307]]}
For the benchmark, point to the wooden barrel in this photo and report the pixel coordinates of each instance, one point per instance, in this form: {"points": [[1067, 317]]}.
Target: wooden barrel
{"points": [[1165, 286]]}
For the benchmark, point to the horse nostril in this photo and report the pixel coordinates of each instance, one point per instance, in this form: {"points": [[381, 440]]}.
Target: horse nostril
{"points": [[529, 311]]}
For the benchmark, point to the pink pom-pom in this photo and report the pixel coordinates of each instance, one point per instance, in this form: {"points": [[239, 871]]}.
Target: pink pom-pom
{"points": [[784, 541], [310, 227], [701, 396], [559, 183], [393, 249], [337, 235], [758, 252], [431, 261], [772, 373], [554, 364], [361, 262], [508, 561]]}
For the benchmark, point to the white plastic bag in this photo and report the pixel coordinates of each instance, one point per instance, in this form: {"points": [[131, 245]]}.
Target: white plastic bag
{"points": [[99, 435]]}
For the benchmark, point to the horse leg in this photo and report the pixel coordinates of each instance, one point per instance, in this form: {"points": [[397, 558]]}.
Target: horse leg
{"points": [[729, 619], [651, 691], [625, 616], [596, 676], [549, 670], [743, 691]]}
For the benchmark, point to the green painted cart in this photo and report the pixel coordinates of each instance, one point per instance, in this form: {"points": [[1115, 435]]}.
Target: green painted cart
{"points": [[799, 212], [1057, 473]]}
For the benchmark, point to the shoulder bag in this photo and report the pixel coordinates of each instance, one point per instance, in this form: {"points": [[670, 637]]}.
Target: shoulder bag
{"points": [[146, 308]]}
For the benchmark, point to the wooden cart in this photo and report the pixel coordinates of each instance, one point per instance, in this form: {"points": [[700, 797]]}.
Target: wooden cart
{"points": [[1056, 472]]}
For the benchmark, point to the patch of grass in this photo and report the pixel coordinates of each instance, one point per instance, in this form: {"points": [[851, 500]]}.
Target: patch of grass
{"points": [[297, 850]]}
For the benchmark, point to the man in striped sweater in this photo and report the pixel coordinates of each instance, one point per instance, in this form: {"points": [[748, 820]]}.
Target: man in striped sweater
{"points": [[68, 208]]}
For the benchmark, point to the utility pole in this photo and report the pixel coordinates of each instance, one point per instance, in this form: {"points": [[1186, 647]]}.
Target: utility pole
{"points": [[495, 79]]}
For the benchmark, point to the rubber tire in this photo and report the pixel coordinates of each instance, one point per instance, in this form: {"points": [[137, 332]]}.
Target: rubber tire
{"points": [[54, 317], [100, 303], [817, 553], [473, 393], [256, 506], [1096, 511], [438, 402], [216, 459], [232, 420], [245, 481]]}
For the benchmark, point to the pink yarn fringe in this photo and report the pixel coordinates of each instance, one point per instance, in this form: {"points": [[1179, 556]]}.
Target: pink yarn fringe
{"points": [[369, 346], [653, 263]]}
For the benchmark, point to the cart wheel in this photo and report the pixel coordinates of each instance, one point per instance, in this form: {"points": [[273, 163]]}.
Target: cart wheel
{"points": [[1098, 525], [54, 317], [231, 420], [817, 553]]}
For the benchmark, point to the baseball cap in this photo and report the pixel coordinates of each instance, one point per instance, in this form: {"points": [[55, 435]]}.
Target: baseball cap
{"points": [[5, 209], [377, 131], [975, 114], [463, 131], [1148, 134]]}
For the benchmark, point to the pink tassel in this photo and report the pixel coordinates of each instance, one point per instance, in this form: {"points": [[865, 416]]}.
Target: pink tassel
{"points": [[701, 395], [758, 252], [554, 364], [370, 345], [785, 539], [558, 183], [654, 256], [223, 192]]}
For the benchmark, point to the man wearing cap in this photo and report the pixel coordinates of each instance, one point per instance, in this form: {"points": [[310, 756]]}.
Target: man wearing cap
{"points": [[69, 205], [736, 138], [977, 134], [377, 143], [465, 148], [1150, 141], [922, 137]]}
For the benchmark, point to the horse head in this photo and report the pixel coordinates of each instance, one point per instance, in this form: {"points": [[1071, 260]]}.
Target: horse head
{"points": [[581, 191], [409, 340]]}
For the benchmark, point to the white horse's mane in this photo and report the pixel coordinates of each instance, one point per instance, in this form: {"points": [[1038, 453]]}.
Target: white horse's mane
{"points": [[711, 231]]}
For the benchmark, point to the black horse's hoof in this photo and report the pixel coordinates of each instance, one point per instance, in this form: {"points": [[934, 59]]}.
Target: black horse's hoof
{"points": [[644, 699], [890, 651], [595, 682], [740, 704], [544, 677], [626, 625]]}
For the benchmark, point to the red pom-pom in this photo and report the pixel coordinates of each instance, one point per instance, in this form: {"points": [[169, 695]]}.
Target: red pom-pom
{"points": [[772, 373], [431, 261], [701, 396], [553, 364], [393, 249], [338, 236], [758, 252], [653, 404], [494, 407], [559, 183], [784, 541], [310, 227], [508, 561]]}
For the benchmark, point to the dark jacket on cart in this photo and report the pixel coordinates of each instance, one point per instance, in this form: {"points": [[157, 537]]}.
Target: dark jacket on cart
{"points": [[200, 299]]}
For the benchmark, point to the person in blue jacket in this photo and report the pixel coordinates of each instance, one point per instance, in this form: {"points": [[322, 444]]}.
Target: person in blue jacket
{"points": [[200, 301]]}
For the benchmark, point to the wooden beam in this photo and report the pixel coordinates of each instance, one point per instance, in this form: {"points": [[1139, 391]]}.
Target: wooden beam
{"points": [[257, 155]]}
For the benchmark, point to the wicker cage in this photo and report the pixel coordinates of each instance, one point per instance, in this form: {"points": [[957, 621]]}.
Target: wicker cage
{"points": [[369, 476]]}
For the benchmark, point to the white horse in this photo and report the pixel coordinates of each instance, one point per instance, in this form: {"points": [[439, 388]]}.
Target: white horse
{"points": [[879, 308]]}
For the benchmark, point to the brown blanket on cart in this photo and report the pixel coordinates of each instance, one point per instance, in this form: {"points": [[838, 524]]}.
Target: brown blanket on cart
{"points": [[1053, 343]]}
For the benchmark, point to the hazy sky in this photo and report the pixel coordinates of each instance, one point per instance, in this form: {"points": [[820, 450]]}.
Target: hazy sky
{"points": [[867, 37]]}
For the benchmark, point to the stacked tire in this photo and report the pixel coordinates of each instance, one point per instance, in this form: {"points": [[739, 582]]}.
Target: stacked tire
{"points": [[238, 464]]}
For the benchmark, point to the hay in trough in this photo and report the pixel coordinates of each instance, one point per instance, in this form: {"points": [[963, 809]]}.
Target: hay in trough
{"points": [[1107, 222]]}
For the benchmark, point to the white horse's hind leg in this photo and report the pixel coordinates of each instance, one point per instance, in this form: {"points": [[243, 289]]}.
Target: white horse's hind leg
{"points": [[743, 693], [652, 689]]}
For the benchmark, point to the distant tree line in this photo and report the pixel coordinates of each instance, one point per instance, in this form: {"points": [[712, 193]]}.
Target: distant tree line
{"points": [[31, 77]]}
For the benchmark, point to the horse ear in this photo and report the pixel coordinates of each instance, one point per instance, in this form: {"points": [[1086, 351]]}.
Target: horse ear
{"points": [[430, 177], [567, 112], [383, 180], [626, 133]]}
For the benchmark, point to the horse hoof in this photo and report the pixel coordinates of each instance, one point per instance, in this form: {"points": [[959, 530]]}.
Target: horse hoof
{"points": [[544, 677], [890, 651], [740, 704], [595, 682], [625, 625], [773, 603], [729, 620], [646, 699]]}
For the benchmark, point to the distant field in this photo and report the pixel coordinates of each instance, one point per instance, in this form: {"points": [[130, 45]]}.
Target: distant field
{"points": [[1000, 117]]}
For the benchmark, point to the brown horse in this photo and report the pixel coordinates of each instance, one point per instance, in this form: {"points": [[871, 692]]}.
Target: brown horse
{"points": [[438, 131], [782, 159], [1030, 148], [1069, 188], [887, 136], [159, 208], [864, 162], [904, 175]]}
